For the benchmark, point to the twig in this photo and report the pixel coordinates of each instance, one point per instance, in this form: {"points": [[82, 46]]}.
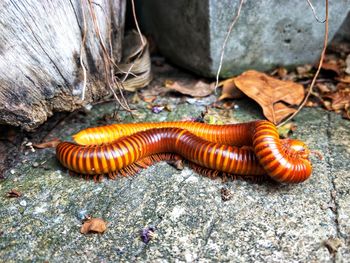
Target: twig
{"points": [[82, 50], [316, 74], [225, 41], [314, 12]]}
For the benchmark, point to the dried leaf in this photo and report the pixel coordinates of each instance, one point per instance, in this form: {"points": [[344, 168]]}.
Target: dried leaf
{"points": [[93, 225], [50, 144], [270, 93], [332, 244], [331, 65], [345, 79], [347, 62], [194, 89], [280, 72], [304, 71], [229, 90], [323, 88], [14, 194], [340, 99]]}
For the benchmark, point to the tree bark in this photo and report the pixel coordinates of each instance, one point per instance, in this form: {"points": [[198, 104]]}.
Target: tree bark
{"points": [[40, 48]]}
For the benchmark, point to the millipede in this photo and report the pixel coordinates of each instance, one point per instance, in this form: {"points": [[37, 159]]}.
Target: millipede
{"points": [[231, 134], [263, 151]]}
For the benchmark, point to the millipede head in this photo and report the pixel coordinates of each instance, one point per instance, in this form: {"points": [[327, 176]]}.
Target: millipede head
{"points": [[296, 148]]}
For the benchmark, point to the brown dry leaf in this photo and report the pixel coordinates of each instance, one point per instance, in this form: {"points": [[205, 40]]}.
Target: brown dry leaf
{"points": [[280, 72], [93, 225], [194, 89], [331, 65], [229, 90], [340, 99], [14, 194], [347, 63], [304, 71], [271, 93], [332, 244], [50, 144], [323, 88], [345, 79]]}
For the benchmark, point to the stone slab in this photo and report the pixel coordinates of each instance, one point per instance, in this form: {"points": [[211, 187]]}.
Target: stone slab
{"points": [[269, 33], [265, 222]]}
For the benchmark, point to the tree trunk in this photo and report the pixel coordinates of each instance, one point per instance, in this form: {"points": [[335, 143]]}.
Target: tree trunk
{"points": [[40, 48]]}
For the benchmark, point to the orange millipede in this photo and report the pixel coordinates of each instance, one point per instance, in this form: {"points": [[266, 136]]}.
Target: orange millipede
{"points": [[284, 161], [110, 158], [230, 134], [240, 134]]}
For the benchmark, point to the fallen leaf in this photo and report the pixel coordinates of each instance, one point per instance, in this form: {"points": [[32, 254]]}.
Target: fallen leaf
{"points": [[347, 62], [332, 244], [271, 94], [304, 71], [14, 194], [280, 72], [229, 90], [194, 89], [323, 88], [93, 225], [50, 144], [345, 79], [340, 99], [331, 65]]}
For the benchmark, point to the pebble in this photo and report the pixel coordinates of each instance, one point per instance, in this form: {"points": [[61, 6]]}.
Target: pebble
{"points": [[23, 203], [35, 164]]}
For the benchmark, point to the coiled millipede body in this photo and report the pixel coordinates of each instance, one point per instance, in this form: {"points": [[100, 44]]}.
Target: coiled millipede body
{"points": [[109, 158], [283, 161]]}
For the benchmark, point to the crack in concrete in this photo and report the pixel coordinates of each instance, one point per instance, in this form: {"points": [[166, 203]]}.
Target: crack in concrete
{"points": [[335, 204]]}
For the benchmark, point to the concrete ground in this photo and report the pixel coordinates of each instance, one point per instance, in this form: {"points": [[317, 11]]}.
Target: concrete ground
{"points": [[266, 222]]}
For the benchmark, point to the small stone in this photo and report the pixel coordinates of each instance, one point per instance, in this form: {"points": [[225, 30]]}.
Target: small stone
{"points": [[35, 164], [334, 194], [83, 214], [12, 171], [226, 194], [147, 234], [23, 203]]}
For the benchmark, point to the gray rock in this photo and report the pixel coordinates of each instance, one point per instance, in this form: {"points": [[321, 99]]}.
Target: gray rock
{"points": [[268, 33], [343, 33]]}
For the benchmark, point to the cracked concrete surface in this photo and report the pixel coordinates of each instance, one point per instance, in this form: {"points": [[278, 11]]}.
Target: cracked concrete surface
{"points": [[265, 222]]}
